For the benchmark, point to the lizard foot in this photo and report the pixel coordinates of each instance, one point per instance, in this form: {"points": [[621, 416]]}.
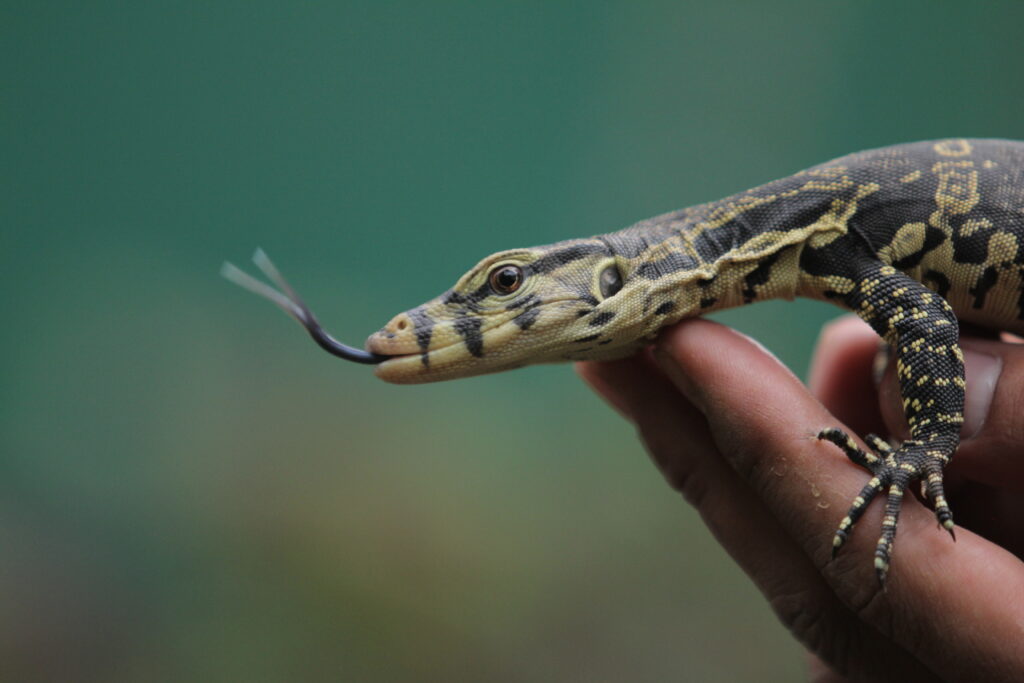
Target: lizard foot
{"points": [[892, 470]]}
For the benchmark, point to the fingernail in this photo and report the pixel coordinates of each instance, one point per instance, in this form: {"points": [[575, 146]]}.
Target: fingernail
{"points": [[982, 372]]}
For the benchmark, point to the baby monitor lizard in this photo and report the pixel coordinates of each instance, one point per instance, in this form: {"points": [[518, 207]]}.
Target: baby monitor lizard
{"points": [[911, 238]]}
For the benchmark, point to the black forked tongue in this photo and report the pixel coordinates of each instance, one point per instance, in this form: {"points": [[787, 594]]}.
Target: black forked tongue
{"points": [[291, 303]]}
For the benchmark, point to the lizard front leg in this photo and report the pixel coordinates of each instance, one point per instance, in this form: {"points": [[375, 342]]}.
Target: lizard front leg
{"points": [[922, 329]]}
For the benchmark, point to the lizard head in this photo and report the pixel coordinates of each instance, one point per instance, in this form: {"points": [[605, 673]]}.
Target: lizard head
{"points": [[572, 300]]}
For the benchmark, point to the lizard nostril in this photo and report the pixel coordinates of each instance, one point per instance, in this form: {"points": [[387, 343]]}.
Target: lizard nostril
{"points": [[400, 323]]}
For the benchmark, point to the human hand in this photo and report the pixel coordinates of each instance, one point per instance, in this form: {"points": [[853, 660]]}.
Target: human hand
{"points": [[734, 431]]}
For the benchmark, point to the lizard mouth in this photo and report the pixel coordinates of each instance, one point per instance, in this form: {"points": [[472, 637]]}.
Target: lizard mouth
{"points": [[390, 346], [421, 366], [404, 362]]}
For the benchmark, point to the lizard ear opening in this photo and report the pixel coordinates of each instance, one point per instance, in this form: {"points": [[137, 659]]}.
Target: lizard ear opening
{"points": [[609, 282]]}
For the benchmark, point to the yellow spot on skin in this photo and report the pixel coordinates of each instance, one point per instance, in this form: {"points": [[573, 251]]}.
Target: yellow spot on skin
{"points": [[911, 177], [974, 225], [908, 240], [881, 564], [957, 191], [953, 148]]}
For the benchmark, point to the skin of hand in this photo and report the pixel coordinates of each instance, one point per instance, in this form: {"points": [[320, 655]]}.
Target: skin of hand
{"points": [[733, 430]]}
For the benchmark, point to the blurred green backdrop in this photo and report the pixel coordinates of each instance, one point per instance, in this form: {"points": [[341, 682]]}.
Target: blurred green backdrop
{"points": [[192, 491]]}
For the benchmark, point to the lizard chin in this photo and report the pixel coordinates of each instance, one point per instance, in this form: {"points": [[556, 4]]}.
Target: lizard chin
{"points": [[450, 362]]}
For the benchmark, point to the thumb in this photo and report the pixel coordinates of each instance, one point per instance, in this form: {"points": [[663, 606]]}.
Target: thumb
{"points": [[992, 436]]}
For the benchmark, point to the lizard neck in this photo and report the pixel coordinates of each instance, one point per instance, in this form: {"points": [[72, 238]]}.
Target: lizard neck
{"points": [[738, 250]]}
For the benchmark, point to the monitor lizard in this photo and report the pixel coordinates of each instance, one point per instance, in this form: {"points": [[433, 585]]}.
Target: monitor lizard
{"points": [[909, 237]]}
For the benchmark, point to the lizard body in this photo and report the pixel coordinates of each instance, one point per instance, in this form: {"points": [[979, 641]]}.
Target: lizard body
{"points": [[909, 237]]}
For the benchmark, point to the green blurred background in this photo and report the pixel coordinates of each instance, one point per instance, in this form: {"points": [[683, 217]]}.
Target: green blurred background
{"points": [[191, 490]]}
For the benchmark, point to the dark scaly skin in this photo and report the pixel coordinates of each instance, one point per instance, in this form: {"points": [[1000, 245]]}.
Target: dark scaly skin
{"points": [[911, 238]]}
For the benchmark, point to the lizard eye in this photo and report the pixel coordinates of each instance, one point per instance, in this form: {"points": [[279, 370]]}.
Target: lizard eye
{"points": [[610, 281], [505, 279]]}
